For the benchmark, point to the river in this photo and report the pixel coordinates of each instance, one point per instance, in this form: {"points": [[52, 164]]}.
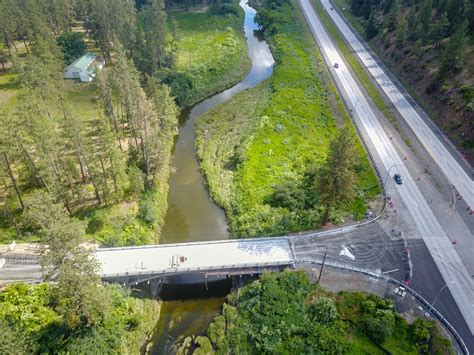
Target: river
{"points": [[192, 215]]}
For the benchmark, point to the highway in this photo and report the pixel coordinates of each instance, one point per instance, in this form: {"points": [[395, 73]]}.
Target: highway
{"points": [[446, 258], [448, 164]]}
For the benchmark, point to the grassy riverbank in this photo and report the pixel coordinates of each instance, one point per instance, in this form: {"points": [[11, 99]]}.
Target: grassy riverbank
{"points": [[285, 314], [271, 139], [212, 53]]}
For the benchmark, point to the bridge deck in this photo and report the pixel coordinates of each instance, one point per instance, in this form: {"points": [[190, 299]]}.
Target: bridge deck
{"points": [[172, 258]]}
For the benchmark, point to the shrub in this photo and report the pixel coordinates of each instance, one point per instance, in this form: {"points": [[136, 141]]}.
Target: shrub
{"points": [[379, 326], [136, 180], [467, 93], [287, 195], [181, 86], [420, 333], [148, 212], [223, 9], [323, 310]]}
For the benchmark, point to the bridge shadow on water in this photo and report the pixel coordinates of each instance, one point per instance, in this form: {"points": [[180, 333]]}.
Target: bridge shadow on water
{"points": [[191, 303], [199, 288]]}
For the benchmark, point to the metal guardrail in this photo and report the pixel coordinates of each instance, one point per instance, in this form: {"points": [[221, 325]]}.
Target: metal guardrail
{"points": [[20, 258], [176, 270], [223, 241], [420, 298]]}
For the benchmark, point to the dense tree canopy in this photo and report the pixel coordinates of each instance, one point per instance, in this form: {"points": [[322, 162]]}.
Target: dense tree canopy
{"points": [[283, 313], [46, 144], [446, 22]]}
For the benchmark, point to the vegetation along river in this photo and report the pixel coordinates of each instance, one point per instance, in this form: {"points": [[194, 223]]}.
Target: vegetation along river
{"points": [[192, 215]]}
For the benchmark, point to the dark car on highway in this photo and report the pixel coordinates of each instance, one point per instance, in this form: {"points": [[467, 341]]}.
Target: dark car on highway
{"points": [[398, 179]]}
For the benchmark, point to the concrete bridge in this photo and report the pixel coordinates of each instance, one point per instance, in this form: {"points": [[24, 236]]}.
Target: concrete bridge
{"points": [[130, 265]]}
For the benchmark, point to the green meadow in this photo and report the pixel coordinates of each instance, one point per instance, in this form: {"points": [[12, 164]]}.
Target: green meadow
{"points": [[271, 139], [211, 53]]}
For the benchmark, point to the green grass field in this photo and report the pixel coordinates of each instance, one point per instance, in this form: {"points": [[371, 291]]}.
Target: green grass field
{"points": [[273, 134], [212, 51]]}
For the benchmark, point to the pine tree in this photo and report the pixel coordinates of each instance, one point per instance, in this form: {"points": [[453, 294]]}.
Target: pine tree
{"points": [[439, 29], [101, 27], [123, 22], [425, 18], [154, 26], [8, 155], [78, 297], [394, 15], [401, 32], [336, 180], [371, 28], [453, 55]]}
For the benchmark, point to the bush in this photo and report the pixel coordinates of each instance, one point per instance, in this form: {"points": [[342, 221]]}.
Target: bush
{"points": [[467, 93], [379, 327], [420, 333], [12, 340], [223, 9], [287, 195], [148, 212], [136, 180], [181, 86], [323, 311]]}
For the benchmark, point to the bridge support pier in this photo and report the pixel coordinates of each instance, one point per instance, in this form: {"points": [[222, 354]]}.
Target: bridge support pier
{"points": [[155, 287]]}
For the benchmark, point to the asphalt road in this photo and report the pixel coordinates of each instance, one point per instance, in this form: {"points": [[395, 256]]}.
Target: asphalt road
{"points": [[444, 255], [18, 272], [448, 164], [428, 282], [368, 247]]}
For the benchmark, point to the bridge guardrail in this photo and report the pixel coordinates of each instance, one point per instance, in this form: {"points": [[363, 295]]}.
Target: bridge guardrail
{"points": [[175, 270], [420, 298], [224, 241]]}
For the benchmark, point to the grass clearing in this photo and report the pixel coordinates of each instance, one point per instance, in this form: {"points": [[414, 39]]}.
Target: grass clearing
{"points": [[285, 134], [212, 51]]}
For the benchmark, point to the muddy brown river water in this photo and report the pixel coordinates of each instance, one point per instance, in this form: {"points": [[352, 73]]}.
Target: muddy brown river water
{"points": [[192, 216]]}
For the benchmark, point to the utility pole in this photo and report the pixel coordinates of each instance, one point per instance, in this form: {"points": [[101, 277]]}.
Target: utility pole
{"points": [[322, 265]]}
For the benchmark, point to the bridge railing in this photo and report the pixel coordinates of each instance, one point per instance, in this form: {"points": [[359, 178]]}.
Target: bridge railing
{"points": [[210, 242], [177, 270]]}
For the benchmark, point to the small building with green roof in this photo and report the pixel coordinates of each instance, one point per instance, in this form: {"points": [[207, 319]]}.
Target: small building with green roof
{"points": [[84, 68]]}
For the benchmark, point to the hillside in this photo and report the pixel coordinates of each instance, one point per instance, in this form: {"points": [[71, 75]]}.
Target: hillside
{"points": [[428, 45]]}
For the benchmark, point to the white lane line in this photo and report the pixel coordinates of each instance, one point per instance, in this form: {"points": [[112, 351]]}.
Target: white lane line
{"points": [[450, 167], [428, 226]]}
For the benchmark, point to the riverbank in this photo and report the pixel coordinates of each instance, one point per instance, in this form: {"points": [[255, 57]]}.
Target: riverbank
{"points": [[260, 150], [212, 53], [286, 313]]}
